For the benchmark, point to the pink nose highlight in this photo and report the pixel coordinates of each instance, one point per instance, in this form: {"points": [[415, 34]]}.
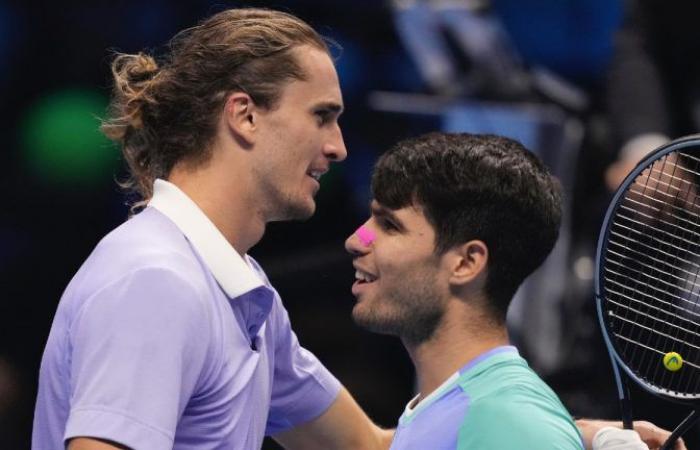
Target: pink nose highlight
{"points": [[365, 235]]}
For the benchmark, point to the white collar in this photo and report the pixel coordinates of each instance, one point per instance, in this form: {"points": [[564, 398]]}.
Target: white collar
{"points": [[412, 406], [232, 272]]}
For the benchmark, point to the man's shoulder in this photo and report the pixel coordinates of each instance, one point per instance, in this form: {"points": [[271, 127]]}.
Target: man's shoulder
{"points": [[501, 375], [510, 382], [146, 243], [512, 406], [514, 421], [148, 239], [148, 228]]}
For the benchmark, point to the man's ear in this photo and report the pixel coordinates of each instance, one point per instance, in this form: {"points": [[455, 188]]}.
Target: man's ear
{"points": [[468, 263], [241, 116]]}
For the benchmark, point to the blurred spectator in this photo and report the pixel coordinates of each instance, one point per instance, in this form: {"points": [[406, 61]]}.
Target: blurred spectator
{"points": [[653, 87], [459, 47]]}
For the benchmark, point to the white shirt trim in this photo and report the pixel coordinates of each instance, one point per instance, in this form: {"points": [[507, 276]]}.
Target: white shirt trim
{"points": [[412, 406], [232, 272]]}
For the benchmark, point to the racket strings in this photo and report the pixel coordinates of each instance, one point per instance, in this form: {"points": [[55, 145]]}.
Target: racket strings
{"points": [[661, 187], [632, 341], [690, 199], [661, 263], [633, 242], [662, 204], [662, 222], [657, 309], [655, 329], [650, 183], [651, 273], [651, 349], [651, 278], [686, 198]]}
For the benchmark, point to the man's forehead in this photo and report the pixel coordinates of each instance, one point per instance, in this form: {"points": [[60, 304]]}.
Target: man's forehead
{"points": [[315, 62], [410, 219], [320, 85], [376, 207]]}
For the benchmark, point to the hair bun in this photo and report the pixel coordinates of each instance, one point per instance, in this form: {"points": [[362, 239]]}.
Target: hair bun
{"points": [[133, 83], [136, 68]]}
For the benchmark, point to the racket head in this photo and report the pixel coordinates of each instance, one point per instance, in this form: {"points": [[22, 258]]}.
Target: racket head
{"points": [[647, 281]]}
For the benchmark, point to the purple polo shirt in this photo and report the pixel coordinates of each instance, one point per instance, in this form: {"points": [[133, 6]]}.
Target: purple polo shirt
{"points": [[168, 338]]}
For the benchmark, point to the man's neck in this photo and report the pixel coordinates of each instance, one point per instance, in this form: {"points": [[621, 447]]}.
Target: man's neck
{"points": [[454, 344], [225, 200]]}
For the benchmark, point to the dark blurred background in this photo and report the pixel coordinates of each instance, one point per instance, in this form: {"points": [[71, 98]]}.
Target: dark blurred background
{"points": [[535, 70]]}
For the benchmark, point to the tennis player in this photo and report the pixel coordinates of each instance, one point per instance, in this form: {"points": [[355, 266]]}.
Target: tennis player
{"points": [[170, 336], [457, 223]]}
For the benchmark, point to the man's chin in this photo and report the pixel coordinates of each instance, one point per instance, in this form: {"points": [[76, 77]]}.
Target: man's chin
{"points": [[299, 212], [371, 322], [411, 331]]}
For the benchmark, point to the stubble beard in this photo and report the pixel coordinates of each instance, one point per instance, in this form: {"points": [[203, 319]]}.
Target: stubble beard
{"points": [[297, 210], [291, 207], [412, 313], [281, 202]]}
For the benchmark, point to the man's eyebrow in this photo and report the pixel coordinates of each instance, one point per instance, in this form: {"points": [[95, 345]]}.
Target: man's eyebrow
{"points": [[383, 211], [333, 107]]}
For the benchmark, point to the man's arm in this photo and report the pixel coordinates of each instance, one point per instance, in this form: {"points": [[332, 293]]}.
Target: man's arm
{"points": [[83, 443], [343, 426], [113, 392]]}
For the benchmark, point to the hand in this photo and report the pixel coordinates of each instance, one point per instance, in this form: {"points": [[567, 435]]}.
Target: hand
{"points": [[653, 436]]}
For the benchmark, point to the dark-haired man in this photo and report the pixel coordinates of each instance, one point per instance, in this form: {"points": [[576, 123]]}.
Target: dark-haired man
{"points": [[458, 221]]}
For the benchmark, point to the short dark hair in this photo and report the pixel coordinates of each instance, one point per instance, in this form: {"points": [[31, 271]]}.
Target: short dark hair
{"points": [[162, 113], [482, 187]]}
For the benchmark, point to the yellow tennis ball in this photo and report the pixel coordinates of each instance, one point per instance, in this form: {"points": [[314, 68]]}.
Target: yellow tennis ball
{"points": [[673, 361]]}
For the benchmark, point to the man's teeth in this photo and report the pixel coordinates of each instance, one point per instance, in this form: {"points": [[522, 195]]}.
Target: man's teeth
{"points": [[315, 175], [363, 276]]}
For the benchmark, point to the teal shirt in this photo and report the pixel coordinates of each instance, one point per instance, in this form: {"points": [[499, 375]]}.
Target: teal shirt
{"points": [[495, 402]]}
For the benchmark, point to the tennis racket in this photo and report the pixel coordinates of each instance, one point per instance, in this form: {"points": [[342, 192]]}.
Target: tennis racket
{"points": [[648, 280]]}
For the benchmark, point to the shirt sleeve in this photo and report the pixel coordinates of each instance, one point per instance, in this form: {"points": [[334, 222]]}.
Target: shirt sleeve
{"points": [[302, 387], [138, 349], [493, 424]]}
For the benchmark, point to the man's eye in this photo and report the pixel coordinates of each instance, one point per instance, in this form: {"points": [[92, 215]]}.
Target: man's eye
{"points": [[323, 117], [388, 225]]}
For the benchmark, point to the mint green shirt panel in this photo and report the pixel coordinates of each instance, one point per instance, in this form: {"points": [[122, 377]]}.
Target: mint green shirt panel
{"points": [[512, 408]]}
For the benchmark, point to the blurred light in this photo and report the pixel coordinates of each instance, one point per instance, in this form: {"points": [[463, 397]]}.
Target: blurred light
{"points": [[62, 142]]}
